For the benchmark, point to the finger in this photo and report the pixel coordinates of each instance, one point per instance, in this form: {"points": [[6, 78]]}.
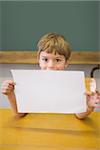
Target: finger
{"points": [[10, 82], [10, 86], [5, 91], [7, 88], [87, 93]]}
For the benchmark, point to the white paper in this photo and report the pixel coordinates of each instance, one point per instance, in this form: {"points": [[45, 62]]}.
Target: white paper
{"points": [[46, 91]]}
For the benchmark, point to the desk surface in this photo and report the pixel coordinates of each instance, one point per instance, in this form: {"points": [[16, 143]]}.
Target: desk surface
{"points": [[49, 132]]}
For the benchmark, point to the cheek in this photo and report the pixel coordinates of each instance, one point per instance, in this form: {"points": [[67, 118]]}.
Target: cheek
{"points": [[42, 65], [60, 67]]}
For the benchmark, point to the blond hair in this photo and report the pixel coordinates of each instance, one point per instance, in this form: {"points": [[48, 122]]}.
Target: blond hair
{"points": [[54, 43]]}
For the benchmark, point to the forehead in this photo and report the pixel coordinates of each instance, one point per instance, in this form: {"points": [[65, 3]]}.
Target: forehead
{"points": [[51, 55]]}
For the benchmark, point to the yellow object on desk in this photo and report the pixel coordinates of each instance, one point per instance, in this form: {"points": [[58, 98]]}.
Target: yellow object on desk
{"points": [[49, 132], [90, 84]]}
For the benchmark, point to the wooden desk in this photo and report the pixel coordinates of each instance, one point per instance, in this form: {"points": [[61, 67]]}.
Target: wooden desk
{"points": [[49, 132]]}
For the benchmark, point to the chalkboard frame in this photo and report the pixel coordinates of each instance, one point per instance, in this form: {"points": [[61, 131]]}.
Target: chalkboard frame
{"points": [[30, 57]]}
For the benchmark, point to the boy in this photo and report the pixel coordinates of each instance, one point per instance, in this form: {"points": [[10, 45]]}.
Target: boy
{"points": [[53, 54]]}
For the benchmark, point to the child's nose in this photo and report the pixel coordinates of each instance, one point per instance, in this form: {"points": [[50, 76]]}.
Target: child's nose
{"points": [[51, 65]]}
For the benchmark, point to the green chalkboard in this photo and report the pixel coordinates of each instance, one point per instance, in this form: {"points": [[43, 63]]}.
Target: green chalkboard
{"points": [[22, 23]]}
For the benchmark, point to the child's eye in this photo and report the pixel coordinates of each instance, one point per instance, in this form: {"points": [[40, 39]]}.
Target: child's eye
{"points": [[58, 60], [45, 59]]}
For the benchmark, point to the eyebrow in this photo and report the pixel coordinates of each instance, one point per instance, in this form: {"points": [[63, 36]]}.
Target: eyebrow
{"points": [[44, 56], [58, 57]]}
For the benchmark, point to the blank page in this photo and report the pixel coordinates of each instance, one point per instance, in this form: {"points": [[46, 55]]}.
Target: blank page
{"points": [[46, 91]]}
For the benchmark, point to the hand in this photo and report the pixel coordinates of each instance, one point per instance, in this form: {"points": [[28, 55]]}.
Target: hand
{"points": [[93, 99], [7, 87]]}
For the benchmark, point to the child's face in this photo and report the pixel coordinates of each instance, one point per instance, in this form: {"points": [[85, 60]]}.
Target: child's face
{"points": [[50, 61]]}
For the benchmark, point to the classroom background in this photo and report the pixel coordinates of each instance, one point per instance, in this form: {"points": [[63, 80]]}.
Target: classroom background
{"points": [[22, 23]]}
